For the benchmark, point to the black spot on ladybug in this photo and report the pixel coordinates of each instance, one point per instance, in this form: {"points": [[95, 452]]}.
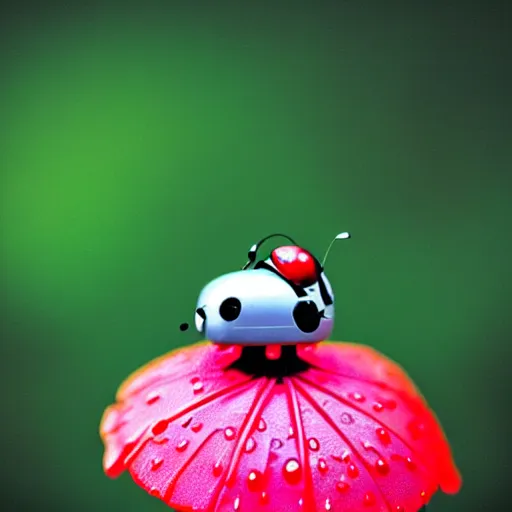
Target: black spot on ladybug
{"points": [[306, 316], [184, 327], [230, 309]]}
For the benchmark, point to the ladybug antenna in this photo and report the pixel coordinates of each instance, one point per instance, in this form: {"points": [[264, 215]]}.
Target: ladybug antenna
{"points": [[254, 249], [341, 236]]}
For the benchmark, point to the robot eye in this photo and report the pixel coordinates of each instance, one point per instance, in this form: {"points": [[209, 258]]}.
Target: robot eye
{"points": [[230, 309], [306, 316]]}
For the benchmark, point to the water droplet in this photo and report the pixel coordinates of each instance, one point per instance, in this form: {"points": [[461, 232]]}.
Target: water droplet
{"points": [[342, 487], [410, 464], [377, 407], [197, 387], [152, 398], [327, 504], [229, 433], [357, 397], [291, 432], [217, 469], [154, 492], [250, 445], [186, 423], [301, 502], [160, 427], [322, 465], [263, 498], [292, 471], [345, 456], [347, 418], [262, 426], [352, 471], [382, 467], [182, 445], [254, 480], [196, 427], [313, 444], [369, 499], [383, 436], [236, 503], [156, 463], [275, 444], [423, 494]]}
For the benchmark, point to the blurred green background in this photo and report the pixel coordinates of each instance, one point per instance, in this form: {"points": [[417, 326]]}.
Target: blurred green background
{"points": [[145, 146]]}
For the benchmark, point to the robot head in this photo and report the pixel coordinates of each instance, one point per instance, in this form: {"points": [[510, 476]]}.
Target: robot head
{"points": [[285, 299]]}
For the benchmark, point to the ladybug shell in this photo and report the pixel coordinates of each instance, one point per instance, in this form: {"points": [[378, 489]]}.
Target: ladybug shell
{"points": [[295, 264]]}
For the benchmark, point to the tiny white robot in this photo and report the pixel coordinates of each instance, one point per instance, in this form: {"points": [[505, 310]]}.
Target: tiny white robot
{"points": [[285, 299]]}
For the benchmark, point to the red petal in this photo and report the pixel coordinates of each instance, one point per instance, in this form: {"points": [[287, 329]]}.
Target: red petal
{"points": [[350, 433]]}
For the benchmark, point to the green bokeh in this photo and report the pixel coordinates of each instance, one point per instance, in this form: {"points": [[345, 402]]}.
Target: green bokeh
{"points": [[144, 149]]}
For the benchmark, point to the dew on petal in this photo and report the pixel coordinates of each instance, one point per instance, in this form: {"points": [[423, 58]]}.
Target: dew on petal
{"points": [[160, 440], [327, 504], [250, 445], [377, 407], [292, 471], [345, 456], [322, 465], [152, 398], [291, 433], [254, 480], [196, 427], [197, 387], [382, 467], [187, 422], [358, 397], [383, 436], [154, 492], [182, 445], [410, 464], [229, 433], [275, 444], [369, 499], [156, 463], [313, 444], [262, 426], [217, 469], [236, 503], [342, 487], [347, 418], [352, 471], [264, 498]]}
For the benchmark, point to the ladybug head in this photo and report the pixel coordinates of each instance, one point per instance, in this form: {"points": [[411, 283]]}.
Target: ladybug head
{"points": [[284, 299]]}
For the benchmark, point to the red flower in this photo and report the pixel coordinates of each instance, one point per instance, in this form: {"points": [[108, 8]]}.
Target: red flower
{"points": [[342, 429]]}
